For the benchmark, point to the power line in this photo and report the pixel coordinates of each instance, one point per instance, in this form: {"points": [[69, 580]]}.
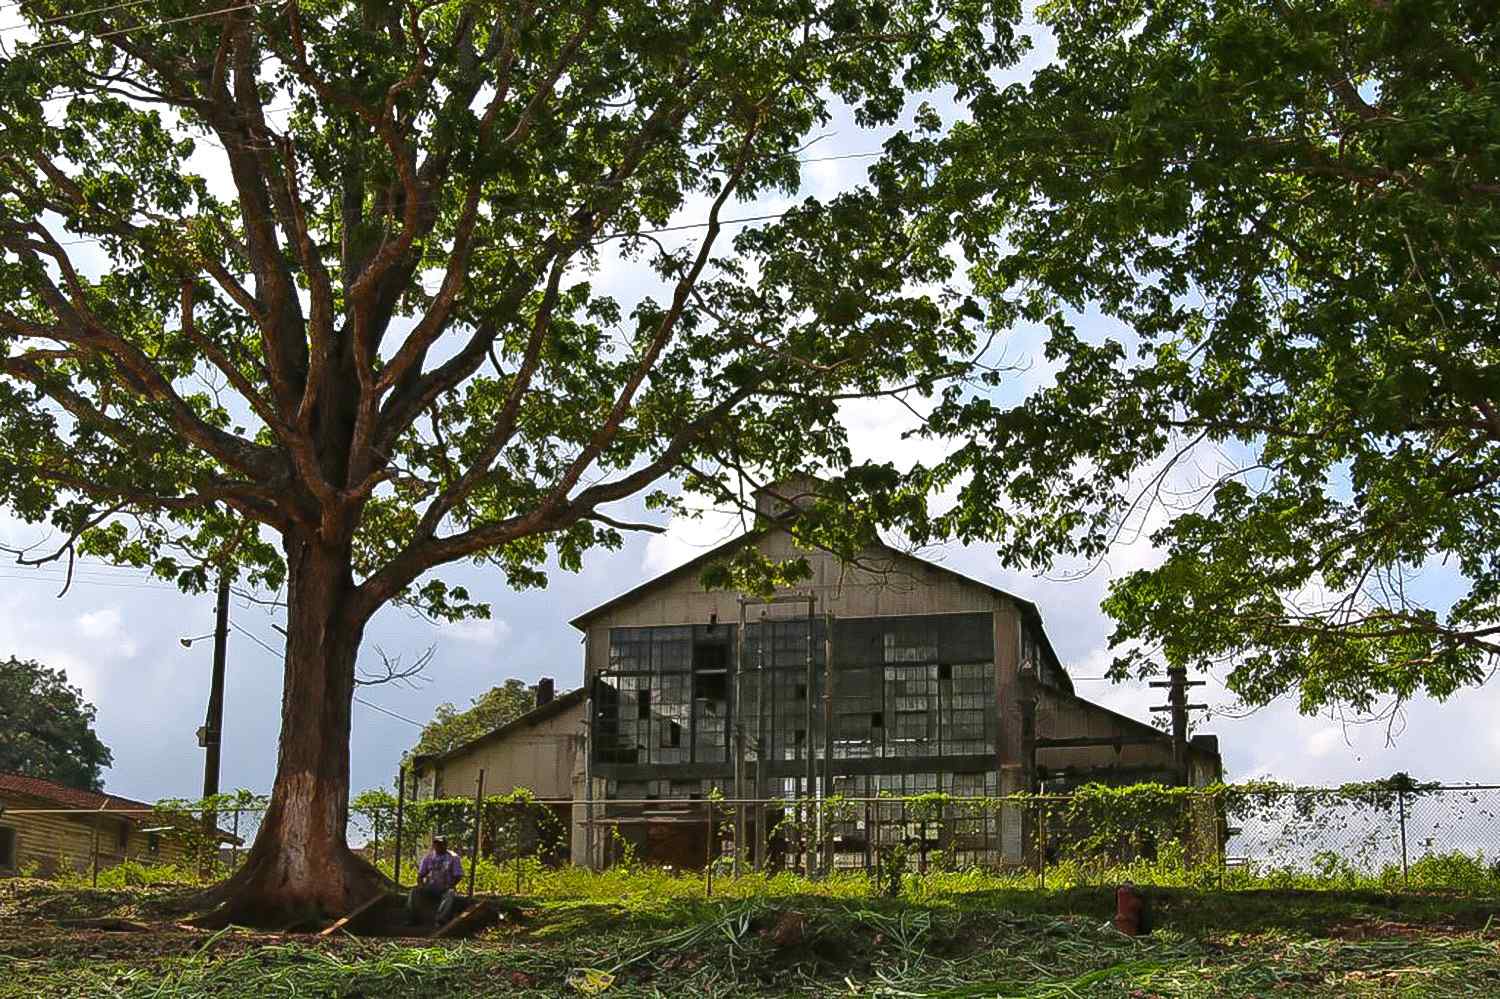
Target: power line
{"points": [[85, 581], [281, 654], [623, 234], [388, 711], [80, 567], [278, 653], [249, 5], [68, 17]]}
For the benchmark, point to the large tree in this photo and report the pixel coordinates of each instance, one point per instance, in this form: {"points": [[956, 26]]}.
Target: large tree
{"points": [[325, 267], [1262, 237], [47, 728]]}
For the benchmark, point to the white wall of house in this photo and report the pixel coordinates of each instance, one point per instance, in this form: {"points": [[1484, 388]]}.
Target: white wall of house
{"points": [[540, 756]]}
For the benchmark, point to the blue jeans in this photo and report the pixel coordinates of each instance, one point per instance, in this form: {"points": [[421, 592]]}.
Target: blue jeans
{"points": [[447, 901]]}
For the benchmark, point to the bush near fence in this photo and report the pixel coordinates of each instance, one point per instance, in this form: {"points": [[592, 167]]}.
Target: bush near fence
{"points": [[1391, 835]]}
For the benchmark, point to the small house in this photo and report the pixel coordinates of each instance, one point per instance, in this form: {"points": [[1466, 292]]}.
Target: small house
{"points": [[541, 751], [46, 827]]}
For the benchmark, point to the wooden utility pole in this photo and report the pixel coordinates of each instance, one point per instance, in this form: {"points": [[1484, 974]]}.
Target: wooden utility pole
{"points": [[213, 725], [1177, 685], [478, 823], [1027, 704]]}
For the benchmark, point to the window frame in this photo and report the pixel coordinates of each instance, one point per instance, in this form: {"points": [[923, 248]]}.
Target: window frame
{"points": [[13, 833]]}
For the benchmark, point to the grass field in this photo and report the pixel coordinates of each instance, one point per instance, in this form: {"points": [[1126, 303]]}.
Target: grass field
{"points": [[614, 941]]}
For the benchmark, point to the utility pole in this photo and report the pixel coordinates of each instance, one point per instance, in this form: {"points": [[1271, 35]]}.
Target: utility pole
{"points": [[1177, 685], [212, 732]]}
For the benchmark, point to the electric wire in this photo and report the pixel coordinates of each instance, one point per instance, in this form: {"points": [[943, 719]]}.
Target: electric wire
{"points": [[58, 18], [41, 578], [622, 234], [153, 26], [281, 654]]}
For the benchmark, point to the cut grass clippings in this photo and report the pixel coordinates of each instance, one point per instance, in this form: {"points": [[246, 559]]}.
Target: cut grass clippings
{"points": [[980, 944]]}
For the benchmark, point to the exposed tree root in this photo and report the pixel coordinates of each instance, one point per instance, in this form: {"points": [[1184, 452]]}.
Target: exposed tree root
{"points": [[264, 894]]}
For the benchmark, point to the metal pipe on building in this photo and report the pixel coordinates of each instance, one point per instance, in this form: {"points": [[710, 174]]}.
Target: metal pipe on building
{"points": [[761, 786], [809, 740], [739, 739], [588, 782], [827, 731]]}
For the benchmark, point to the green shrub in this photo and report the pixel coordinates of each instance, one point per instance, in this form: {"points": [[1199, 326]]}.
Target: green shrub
{"points": [[1456, 869]]}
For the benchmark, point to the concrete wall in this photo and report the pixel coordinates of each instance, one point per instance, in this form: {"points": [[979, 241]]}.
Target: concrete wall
{"points": [[541, 757]]}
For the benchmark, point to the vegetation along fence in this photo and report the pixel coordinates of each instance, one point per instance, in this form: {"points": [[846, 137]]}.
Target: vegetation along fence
{"points": [[1395, 834]]}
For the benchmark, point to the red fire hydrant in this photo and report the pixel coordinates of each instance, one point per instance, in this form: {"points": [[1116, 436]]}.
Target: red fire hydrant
{"points": [[1130, 911]]}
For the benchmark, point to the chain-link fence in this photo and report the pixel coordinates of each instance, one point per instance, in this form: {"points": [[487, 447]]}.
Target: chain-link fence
{"points": [[1392, 835]]}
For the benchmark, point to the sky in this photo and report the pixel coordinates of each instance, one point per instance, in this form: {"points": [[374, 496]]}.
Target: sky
{"points": [[117, 635]]}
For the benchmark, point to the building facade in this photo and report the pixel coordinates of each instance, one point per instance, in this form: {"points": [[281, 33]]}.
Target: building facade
{"points": [[940, 683]]}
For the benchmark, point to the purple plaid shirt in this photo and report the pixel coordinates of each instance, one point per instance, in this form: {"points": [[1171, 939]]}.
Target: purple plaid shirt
{"points": [[442, 872]]}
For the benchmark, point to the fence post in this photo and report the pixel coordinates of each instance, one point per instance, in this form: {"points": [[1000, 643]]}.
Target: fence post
{"points": [[400, 807], [95, 849], [708, 858], [1401, 808], [1221, 837], [478, 821], [869, 837], [1041, 846], [519, 830], [234, 848]]}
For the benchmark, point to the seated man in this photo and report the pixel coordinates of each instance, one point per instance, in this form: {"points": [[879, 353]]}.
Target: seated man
{"points": [[437, 876]]}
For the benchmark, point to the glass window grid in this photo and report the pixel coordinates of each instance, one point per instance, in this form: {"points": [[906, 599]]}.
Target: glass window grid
{"points": [[884, 709]]}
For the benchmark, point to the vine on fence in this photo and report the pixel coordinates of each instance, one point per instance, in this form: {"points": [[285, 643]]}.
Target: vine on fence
{"points": [[1347, 836]]}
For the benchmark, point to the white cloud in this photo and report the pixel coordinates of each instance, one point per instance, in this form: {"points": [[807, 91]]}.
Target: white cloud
{"points": [[1323, 742], [687, 537], [107, 625], [487, 632]]}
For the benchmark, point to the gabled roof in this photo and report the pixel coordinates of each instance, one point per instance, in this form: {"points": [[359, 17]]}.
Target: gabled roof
{"points": [[1136, 725], [535, 716], [581, 621], [1028, 609], [64, 796]]}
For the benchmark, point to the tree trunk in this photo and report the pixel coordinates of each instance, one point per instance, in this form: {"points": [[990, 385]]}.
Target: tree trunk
{"points": [[300, 869]]}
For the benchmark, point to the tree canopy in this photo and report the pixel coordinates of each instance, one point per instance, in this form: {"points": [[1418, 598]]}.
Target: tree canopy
{"points": [[451, 727], [47, 728], [340, 270], [1285, 214]]}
